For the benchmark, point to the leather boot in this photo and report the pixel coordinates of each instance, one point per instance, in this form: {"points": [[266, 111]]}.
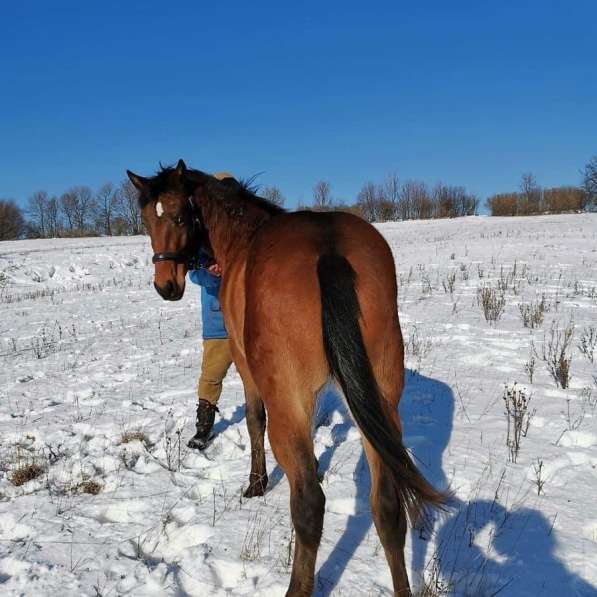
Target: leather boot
{"points": [[206, 413]]}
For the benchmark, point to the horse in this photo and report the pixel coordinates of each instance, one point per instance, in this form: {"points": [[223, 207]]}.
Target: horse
{"points": [[307, 297]]}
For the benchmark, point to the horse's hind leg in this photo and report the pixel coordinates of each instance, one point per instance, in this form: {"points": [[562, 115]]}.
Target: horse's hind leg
{"points": [[289, 431], [389, 518], [389, 514]]}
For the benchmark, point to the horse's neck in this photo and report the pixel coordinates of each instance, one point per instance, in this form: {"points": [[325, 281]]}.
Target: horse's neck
{"points": [[231, 235]]}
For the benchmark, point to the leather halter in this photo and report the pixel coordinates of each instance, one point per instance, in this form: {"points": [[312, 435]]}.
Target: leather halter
{"points": [[180, 257], [169, 256]]}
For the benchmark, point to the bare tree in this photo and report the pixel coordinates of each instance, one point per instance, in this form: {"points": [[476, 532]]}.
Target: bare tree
{"points": [[83, 206], [322, 198], [274, 195], [589, 176], [67, 207], [530, 195], [77, 207], [389, 197], [415, 201], [37, 210], [405, 201], [104, 204], [444, 202], [12, 222], [528, 183], [368, 202], [453, 202], [127, 212], [391, 187], [53, 217]]}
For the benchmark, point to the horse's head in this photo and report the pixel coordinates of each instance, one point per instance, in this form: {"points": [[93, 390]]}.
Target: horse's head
{"points": [[173, 223]]}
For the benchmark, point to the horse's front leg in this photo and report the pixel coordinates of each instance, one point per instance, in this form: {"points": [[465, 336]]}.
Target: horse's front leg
{"points": [[256, 419]]}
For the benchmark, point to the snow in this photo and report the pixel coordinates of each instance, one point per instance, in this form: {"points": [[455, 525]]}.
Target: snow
{"points": [[89, 353]]}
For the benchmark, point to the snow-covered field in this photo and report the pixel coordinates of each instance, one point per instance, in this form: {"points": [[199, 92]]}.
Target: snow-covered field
{"points": [[97, 390]]}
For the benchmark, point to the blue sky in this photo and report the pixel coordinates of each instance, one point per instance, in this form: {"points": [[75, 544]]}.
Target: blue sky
{"points": [[472, 93]]}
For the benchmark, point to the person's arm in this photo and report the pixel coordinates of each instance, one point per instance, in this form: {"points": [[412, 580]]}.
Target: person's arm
{"points": [[204, 277]]}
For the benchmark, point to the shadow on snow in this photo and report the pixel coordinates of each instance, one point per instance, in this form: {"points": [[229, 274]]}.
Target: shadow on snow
{"points": [[482, 547]]}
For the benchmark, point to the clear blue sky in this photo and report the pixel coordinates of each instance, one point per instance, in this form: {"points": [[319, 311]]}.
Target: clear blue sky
{"points": [[470, 93]]}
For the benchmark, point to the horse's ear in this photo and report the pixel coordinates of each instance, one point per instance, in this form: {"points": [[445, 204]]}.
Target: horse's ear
{"points": [[139, 182], [181, 168]]}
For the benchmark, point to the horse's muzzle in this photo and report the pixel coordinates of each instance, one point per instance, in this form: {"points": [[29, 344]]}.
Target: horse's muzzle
{"points": [[170, 291]]}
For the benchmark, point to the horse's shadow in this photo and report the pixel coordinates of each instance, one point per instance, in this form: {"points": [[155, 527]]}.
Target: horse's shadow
{"points": [[520, 539], [481, 547]]}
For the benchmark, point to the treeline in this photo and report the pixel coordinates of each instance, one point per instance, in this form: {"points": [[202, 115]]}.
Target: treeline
{"points": [[413, 200], [111, 210], [532, 199], [394, 200]]}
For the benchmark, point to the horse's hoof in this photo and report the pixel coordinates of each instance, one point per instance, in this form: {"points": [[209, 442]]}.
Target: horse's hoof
{"points": [[256, 488]]}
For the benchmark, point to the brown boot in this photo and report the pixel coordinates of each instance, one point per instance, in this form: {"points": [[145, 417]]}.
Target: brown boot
{"points": [[206, 414]]}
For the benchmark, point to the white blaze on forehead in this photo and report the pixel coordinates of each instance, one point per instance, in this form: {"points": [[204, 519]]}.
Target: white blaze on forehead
{"points": [[159, 209]]}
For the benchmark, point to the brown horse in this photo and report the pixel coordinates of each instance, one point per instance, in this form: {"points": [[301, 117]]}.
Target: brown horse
{"points": [[306, 297]]}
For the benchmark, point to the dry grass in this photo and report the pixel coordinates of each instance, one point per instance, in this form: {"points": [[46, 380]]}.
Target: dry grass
{"points": [[134, 435], [88, 486], [492, 302], [556, 353], [532, 314], [256, 531], [25, 473]]}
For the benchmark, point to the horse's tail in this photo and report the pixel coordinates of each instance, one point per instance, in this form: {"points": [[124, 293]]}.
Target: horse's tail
{"points": [[350, 366]]}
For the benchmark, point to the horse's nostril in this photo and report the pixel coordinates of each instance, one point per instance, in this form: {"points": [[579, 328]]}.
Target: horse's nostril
{"points": [[169, 291]]}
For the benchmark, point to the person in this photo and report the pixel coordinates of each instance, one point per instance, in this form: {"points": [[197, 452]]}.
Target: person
{"points": [[216, 358]]}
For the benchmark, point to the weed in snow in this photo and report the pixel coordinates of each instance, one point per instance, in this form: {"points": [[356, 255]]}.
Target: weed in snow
{"points": [[588, 342], [418, 346], [532, 313], [529, 366], [556, 353], [518, 417], [539, 475], [492, 302]]}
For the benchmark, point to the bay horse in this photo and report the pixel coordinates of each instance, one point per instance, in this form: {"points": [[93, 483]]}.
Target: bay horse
{"points": [[306, 297]]}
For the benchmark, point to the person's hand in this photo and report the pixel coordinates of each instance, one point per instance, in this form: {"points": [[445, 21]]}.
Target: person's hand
{"points": [[215, 270]]}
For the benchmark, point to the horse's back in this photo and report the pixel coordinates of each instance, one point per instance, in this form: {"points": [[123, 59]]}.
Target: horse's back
{"points": [[290, 246], [283, 308]]}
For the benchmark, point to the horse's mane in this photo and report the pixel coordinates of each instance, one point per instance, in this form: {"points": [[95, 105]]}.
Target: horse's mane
{"points": [[249, 191], [167, 180]]}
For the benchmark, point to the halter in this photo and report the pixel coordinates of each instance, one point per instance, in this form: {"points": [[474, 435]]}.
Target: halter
{"points": [[180, 257]]}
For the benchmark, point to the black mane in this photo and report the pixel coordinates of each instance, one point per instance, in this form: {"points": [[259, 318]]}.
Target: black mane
{"points": [[167, 180], [249, 191]]}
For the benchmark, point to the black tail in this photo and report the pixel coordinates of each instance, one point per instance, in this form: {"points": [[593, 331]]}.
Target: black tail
{"points": [[350, 365]]}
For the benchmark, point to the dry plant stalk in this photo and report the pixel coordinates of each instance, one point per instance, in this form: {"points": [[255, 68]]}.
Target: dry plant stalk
{"points": [[492, 302], [518, 417], [556, 353], [532, 314], [588, 342]]}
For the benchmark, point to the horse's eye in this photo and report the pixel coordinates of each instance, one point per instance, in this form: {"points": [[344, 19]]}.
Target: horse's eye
{"points": [[179, 220]]}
